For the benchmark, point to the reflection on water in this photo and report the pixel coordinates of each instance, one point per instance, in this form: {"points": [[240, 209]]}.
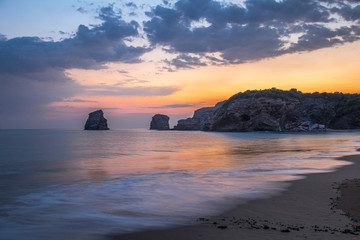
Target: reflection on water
{"points": [[82, 184]]}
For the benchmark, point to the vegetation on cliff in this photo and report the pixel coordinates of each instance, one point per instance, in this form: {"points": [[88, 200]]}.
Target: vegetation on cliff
{"points": [[279, 110]]}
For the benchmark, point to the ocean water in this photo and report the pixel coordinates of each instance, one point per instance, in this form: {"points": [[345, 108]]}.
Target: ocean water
{"points": [[73, 184]]}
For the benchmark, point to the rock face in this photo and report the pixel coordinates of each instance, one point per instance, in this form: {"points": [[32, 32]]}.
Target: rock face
{"points": [[197, 121], [96, 121], [159, 122], [277, 110], [200, 121]]}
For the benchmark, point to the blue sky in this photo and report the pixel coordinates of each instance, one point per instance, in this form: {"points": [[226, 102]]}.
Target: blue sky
{"points": [[40, 18], [45, 18]]}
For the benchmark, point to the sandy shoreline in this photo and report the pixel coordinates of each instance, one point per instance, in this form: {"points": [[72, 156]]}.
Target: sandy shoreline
{"points": [[308, 209]]}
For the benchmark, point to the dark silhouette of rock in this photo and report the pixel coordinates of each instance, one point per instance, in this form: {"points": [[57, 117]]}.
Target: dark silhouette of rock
{"points": [[96, 121], [159, 122], [188, 124], [200, 120], [278, 110], [197, 121]]}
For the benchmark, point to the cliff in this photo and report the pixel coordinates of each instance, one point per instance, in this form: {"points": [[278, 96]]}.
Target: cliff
{"points": [[278, 110], [96, 121]]}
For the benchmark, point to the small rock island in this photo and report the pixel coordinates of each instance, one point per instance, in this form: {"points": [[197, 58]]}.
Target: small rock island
{"points": [[159, 122], [96, 121]]}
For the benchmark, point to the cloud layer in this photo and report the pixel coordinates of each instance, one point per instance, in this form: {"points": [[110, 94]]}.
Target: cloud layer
{"points": [[173, 106], [89, 48], [249, 32]]}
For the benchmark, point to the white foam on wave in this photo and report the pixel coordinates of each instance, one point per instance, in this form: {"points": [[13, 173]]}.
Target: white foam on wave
{"points": [[138, 202]]}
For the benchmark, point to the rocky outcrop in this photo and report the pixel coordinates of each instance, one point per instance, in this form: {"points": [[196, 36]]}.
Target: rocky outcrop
{"points": [[201, 119], [96, 121], [159, 122], [197, 121], [277, 110]]}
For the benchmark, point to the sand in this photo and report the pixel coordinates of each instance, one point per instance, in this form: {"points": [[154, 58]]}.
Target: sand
{"points": [[321, 206], [349, 200]]}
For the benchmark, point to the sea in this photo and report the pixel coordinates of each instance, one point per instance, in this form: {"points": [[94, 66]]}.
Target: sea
{"points": [[75, 184]]}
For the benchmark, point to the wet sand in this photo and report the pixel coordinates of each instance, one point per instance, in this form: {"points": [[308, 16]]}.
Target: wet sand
{"points": [[321, 206], [349, 200]]}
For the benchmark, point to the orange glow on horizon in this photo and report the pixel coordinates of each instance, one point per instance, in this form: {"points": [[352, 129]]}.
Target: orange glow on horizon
{"points": [[326, 70]]}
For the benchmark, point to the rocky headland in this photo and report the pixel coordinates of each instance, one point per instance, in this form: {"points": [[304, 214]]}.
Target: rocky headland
{"points": [[278, 110], [96, 121], [159, 122]]}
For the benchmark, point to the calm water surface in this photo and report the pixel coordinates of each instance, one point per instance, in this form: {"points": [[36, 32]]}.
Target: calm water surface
{"points": [[69, 184]]}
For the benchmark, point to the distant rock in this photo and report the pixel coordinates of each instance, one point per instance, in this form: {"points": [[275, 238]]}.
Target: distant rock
{"points": [[96, 121], [159, 122], [278, 110]]}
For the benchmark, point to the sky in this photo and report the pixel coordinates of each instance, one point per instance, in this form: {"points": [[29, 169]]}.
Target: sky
{"points": [[60, 60]]}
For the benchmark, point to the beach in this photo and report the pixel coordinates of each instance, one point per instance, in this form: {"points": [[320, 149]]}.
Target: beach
{"points": [[320, 206]]}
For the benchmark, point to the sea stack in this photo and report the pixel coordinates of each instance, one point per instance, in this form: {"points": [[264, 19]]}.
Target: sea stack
{"points": [[159, 122], [96, 121]]}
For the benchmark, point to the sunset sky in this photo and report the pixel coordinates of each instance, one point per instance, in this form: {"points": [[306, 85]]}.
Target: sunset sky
{"points": [[60, 60]]}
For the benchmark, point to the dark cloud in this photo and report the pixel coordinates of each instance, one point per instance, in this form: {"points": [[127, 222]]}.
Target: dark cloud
{"points": [[81, 10], [185, 61], [173, 106], [256, 30], [109, 109], [130, 91], [78, 100], [89, 48], [287, 11], [349, 12], [131, 5], [318, 36], [135, 80]]}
